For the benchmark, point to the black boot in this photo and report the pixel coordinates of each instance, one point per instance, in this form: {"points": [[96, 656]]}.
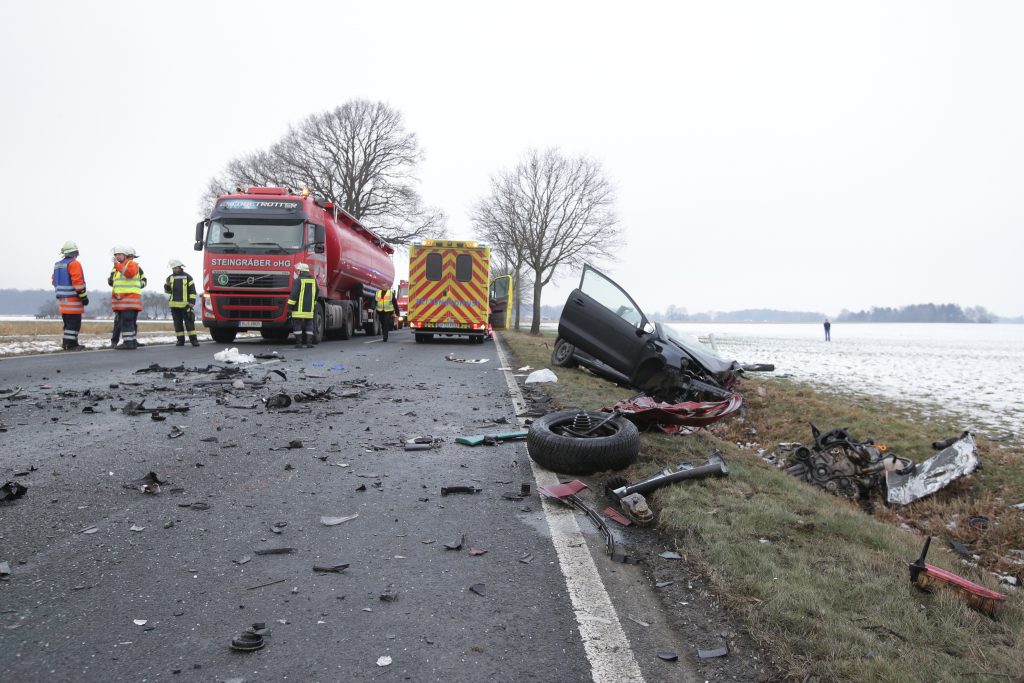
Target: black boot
{"points": [[180, 342], [193, 340]]}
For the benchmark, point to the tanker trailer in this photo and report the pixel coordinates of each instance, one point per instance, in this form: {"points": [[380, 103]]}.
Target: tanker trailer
{"points": [[252, 242]]}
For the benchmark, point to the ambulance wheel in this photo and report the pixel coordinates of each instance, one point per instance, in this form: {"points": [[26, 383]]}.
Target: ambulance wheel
{"points": [[223, 335], [319, 324], [562, 356], [554, 442]]}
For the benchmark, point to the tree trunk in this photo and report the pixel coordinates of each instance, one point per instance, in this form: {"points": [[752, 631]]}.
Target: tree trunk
{"points": [[537, 288]]}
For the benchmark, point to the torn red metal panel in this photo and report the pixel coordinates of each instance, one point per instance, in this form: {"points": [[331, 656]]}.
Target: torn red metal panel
{"points": [[646, 413], [569, 488]]}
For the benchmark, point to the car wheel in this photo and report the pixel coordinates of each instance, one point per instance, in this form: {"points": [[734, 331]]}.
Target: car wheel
{"points": [[562, 355], [558, 442]]}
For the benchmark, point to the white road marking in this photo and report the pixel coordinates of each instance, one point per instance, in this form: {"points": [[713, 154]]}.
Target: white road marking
{"points": [[611, 658]]}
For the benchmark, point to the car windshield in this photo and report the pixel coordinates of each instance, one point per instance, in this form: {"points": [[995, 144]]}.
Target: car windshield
{"points": [[250, 235], [686, 341]]}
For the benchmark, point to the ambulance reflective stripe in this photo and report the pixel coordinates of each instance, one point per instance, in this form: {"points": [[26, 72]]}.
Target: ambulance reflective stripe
{"points": [[69, 286], [384, 302], [448, 299]]}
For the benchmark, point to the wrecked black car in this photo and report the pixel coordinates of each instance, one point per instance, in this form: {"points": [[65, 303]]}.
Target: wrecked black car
{"points": [[603, 329]]}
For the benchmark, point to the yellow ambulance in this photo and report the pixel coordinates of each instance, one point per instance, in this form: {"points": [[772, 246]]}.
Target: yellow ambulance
{"points": [[449, 290]]}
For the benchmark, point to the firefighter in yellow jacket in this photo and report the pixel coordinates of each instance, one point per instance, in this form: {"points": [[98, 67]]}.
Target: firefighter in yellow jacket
{"points": [[302, 305], [182, 303], [386, 301]]}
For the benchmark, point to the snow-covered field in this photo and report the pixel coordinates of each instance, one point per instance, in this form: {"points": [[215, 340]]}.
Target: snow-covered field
{"points": [[973, 371]]}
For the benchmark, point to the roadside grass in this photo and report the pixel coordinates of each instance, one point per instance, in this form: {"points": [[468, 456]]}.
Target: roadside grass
{"points": [[819, 581]]}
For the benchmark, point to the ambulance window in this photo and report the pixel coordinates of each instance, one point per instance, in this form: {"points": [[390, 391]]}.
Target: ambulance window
{"points": [[433, 267], [463, 268]]}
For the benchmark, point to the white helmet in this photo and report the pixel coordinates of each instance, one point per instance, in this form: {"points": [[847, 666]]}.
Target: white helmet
{"points": [[302, 267], [68, 248], [130, 251], [175, 263], [120, 250]]}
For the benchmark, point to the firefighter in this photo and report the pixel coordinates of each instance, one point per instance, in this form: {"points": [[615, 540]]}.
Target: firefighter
{"points": [[127, 281], [386, 300], [302, 304], [72, 298], [115, 334], [182, 303]]}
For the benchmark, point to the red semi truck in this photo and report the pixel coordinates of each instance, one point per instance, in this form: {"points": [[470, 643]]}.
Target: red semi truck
{"points": [[253, 240]]}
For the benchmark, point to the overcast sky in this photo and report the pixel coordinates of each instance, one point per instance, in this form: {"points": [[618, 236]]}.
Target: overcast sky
{"points": [[791, 155]]}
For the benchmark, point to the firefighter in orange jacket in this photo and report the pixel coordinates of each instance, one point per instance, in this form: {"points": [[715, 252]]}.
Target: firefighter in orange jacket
{"points": [[126, 298], [72, 298]]}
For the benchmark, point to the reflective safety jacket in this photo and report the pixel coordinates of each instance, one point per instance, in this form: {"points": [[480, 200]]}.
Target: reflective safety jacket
{"points": [[182, 290], [385, 301], [69, 286], [128, 281], [303, 297]]}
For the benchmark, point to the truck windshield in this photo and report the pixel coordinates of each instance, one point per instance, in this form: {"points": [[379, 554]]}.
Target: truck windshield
{"points": [[258, 236]]}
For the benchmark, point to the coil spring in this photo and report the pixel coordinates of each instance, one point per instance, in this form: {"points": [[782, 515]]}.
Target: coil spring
{"points": [[582, 422]]}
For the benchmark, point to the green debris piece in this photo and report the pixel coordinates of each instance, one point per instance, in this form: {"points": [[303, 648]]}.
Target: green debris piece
{"points": [[478, 439]]}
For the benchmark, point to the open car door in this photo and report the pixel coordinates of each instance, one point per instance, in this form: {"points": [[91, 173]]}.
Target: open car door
{"points": [[601, 319], [501, 302]]}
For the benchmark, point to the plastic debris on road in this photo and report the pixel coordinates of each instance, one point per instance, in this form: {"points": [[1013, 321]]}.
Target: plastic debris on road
{"points": [[233, 356], [541, 377]]}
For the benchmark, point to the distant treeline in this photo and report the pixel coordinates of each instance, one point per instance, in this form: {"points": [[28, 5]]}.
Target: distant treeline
{"points": [[42, 304], [920, 313]]}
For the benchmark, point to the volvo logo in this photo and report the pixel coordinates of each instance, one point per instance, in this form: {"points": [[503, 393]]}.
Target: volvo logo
{"points": [[250, 280]]}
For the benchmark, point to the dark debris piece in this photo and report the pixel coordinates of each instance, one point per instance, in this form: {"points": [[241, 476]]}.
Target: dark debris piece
{"points": [[12, 490], [478, 588], [330, 568], [711, 654], [456, 545], [668, 656], [248, 640], [446, 490], [274, 551]]}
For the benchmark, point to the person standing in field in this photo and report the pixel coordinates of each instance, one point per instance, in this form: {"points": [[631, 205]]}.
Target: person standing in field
{"points": [[828, 330], [386, 300], [302, 304], [126, 298], [72, 298], [182, 289]]}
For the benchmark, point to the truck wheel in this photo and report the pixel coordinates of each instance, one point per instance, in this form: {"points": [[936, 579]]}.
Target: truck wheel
{"points": [[223, 335], [348, 326], [319, 324], [562, 354], [554, 442]]}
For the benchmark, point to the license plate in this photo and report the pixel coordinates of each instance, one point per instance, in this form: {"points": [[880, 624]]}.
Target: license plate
{"points": [[250, 323], [455, 325]]}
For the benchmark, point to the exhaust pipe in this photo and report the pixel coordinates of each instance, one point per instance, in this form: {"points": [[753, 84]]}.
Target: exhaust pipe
{"points": [[714, 467]]}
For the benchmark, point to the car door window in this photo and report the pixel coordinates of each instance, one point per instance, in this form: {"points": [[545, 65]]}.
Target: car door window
{"points": [[607, 293]]}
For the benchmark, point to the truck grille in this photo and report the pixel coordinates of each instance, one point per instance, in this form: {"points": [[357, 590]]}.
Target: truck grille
{"points": [[249, 307], [255, 279]]}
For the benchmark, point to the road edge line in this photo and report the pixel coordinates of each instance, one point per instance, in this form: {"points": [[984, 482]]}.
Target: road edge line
{"points": [[604, 641]]}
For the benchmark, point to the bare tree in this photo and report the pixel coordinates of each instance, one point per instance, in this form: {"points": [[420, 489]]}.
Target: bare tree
{"points": [[359, 156], [549, 212]]}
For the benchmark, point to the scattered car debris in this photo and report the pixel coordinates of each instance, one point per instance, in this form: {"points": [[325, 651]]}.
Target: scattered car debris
{"points": [[420, 443], [150, 483], [711, 654], [631, 497], [566, 493], [456, 545], [979, 523], [133, 408], [175, 432], [647, 413], [451, 357], [388, 596], [843, 465], [614, 514], [335, 521], [12, 490], [448, 490], [249, 640], [491, 439], [330, 568], [5, 570], [478, 588], [670, 555], [667, 655], [957, 459], [274, 551], [278, 401], [477, 552], [384, 660], [929, 578], [580, 442]]}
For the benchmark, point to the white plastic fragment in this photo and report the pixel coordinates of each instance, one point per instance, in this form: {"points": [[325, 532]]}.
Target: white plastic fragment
{"points": [[334, 521], [384, 661], [233, 356], [541, 376], [140, 622]]}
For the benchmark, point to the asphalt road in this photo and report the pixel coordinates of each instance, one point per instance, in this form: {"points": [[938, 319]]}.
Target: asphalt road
{"points": [[91, 599]]}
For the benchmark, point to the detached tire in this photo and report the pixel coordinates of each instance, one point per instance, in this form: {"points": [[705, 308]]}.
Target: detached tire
{"points": [[550, 446]]}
